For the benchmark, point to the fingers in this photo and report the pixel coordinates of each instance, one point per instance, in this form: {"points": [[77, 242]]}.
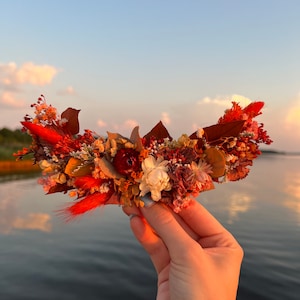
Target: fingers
{"points": [[154, 246], [176, 239]]}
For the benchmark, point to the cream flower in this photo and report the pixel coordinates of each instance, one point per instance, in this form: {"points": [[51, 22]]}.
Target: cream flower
{"points": [[155, 178]]}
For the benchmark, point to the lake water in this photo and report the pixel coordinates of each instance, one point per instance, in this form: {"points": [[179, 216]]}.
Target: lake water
{"points": [[97, 257]]}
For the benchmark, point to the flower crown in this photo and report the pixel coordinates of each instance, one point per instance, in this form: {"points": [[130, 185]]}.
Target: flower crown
{"points": [[97, 170]]}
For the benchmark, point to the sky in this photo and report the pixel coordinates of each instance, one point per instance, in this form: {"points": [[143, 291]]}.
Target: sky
{"points": [[129, 63]]}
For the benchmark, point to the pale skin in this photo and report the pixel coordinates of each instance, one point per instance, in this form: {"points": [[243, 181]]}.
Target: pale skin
{"points": [[194, 256]]}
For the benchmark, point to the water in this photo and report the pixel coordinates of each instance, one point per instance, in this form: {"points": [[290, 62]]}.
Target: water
{"points": [[97, 257]]}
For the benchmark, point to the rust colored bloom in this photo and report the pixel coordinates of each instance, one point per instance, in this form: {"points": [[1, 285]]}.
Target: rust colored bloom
{"points": [[126, 161]]}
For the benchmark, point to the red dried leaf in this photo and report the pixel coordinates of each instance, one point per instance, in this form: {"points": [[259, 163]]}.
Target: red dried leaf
{"points": [[47, 134], [214, 133], [159, 132], [72, 126]]}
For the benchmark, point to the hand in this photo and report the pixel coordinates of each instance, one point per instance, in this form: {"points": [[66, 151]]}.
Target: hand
{"points": [[195, 257]]}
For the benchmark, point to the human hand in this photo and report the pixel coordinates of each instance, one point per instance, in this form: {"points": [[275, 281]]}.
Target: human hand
{"points": [[195, 257]]}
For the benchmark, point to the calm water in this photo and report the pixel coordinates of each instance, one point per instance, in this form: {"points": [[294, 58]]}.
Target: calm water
{"points": [[97, 257]]}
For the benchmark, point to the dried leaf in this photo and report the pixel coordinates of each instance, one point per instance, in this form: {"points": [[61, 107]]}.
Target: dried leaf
{"points": [[72, 126], [58, 188], [114, 136], [159, 132], [216, 159], [136, 139], [108, 169], [75, 168], [214, 133]]}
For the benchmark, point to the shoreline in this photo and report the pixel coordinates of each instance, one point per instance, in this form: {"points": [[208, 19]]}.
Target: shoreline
{"points": [[18, 167]]}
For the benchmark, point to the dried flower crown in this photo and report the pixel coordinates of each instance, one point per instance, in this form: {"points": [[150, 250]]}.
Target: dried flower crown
{"points": [[97, 170]]}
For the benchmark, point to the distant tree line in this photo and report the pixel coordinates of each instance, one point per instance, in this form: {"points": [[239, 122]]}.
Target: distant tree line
{"points": [[15, 137]]}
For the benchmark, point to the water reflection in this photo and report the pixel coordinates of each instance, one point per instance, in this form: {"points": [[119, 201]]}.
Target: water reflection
{"points": [[11, 215], [239, 203], [292, 189]]}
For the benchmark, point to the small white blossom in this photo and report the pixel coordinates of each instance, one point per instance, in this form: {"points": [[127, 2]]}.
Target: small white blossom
{"points": [[155, 178]]}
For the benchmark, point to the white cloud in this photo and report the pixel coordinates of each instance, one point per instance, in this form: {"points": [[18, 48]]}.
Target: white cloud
{"points": [[69, 90], [28, 73], [8, 99], [165, 118], [225, 101], [123, 128], [101, 123], [129, 124], [292, 118], [14, 78]]}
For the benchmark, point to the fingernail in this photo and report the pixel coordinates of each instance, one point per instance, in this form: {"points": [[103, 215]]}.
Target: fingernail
{"points": [[148, 202], [131, 216]]}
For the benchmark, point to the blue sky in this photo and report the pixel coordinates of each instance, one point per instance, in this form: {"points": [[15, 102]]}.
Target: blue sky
{"points": [[125, 63]]}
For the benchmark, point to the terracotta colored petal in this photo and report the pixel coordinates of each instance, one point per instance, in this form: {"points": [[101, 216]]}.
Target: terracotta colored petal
{"points": [[47, 134], [72, 126]]}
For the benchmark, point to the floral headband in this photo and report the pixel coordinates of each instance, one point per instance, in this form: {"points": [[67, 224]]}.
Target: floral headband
{"points": [[95, 169]]}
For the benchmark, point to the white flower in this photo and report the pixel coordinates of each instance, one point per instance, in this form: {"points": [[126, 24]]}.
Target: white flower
{"points": [[155, 178]]}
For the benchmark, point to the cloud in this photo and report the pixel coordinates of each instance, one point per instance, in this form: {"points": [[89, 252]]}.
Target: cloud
{"points": [[129, 124], [101, 123], [123, 128], [14, 78], [165, 118], [292, 118], [68, 91], [28, 73], [225, 101], [9, 100]]}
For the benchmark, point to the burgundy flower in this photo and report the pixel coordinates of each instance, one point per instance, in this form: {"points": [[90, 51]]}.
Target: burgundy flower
{"points": [[126, 161]]}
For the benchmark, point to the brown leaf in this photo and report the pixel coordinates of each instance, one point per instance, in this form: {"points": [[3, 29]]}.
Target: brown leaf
{"points": [[58, 188], [159, 132], [72, 126], [217, 160], [214, 133]]}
